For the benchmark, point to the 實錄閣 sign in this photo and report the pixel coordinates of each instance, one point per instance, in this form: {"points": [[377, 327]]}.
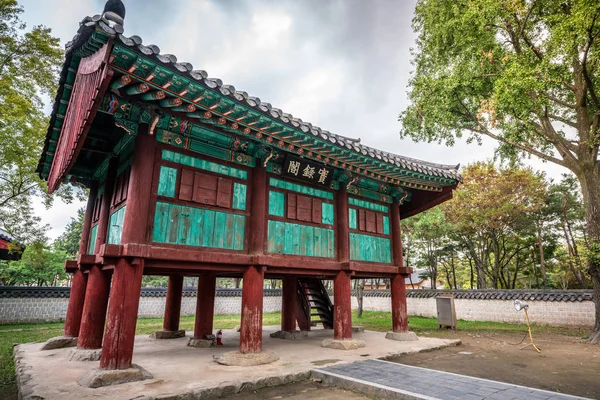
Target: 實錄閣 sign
{"points": [[307, 171]]}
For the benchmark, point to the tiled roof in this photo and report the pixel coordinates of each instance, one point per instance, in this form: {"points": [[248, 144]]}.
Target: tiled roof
{"points": [[112, 25]]}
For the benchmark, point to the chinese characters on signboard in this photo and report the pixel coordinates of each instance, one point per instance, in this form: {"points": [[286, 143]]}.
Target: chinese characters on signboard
{"points": [[307, 171]]}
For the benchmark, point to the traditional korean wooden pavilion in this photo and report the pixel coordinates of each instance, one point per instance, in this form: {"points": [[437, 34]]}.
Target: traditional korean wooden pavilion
{"points": [[191, 177]]}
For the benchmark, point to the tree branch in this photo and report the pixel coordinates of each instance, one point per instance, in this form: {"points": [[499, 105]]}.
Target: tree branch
{"points": [[586, 76], [563, 120], [561, 102]]}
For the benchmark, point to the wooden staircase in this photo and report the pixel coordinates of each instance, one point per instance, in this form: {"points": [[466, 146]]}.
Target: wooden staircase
{"points": [[314, 305]]}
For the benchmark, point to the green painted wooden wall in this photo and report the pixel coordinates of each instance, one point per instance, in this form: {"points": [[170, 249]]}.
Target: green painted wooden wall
{"points": [[300, 240], [206, 165], [294, 187], [115, 226], [370, 248], [191, 226], [367, 204], [167, 181], [92, 242], [239, 196]]}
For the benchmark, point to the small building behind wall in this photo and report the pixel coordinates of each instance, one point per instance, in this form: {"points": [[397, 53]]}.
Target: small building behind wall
{"points": [[191, 177]]}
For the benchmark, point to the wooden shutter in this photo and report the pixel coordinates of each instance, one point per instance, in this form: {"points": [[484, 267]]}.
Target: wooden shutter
{"points": [[205, 189], [186, 187], [224, 192], [291, 206], [380, 223], [317, 211], [371, 221], [362, 220], [97, 205], [304, 212]]}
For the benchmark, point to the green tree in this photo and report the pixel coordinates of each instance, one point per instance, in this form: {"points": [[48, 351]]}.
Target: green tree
{"points": [[40, 265], [493, 217], [522, 72], [29, 60], [69, 240]]}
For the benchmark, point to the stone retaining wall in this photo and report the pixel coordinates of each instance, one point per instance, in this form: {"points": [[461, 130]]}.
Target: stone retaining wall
{"points": [[559, 308]]}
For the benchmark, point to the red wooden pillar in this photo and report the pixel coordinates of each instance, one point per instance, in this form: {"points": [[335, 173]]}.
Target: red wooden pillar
{"points": [[343, 228], [258, 212], [76, 302], [399, 312], [205, 305], [252, 309], [94, 309], [173, 304], [79, 281], [289, 301], [119, 336], [397, 286], [98, 287], [342, 307]]}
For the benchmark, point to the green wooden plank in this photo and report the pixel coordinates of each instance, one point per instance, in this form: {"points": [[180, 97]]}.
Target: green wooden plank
{"points": [[310, 244], [330, 243], [185, 225], [276, 204], [328, 214], [317, 240], [352, 218], [294, 187], [194, 162], [167, 181], [239, 227], [304, 245], [173, 227], [160, 222], [208, 228], [229, 232], [115, 226], [220, 231], [239, 196], [92, 239], [279, 237], [367, 204], [197, 223], [296, 239], [386, 225]]}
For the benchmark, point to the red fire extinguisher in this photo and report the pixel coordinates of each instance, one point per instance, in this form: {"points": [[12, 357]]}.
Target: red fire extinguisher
{"points": [[220, 337]]}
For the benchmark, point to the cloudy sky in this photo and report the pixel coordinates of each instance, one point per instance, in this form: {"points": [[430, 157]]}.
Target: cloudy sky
{"points": [[343, 65]]}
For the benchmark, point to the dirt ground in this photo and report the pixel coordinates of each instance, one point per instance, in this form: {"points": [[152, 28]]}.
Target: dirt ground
{"points": [[300, 391], [566, 364]]}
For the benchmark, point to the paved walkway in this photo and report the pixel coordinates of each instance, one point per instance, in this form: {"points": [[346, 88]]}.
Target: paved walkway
{"points": [[401, 381]]}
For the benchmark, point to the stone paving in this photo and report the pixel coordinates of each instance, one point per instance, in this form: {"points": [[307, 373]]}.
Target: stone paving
{"points": [[392, 380]]}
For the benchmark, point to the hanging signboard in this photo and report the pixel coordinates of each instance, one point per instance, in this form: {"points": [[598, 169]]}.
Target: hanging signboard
{"points": [[307, 171]]}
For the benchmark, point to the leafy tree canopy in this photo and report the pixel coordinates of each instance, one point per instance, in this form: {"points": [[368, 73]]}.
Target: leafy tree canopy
{"points": [[29, 60]]}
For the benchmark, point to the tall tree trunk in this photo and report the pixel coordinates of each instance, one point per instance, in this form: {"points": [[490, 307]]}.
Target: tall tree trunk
{"points": [[541, 249], [537, 280], [590, 187], [472, 272], [360, 287]]}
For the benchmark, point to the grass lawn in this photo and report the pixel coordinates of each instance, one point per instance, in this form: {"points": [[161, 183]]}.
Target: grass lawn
{"points": [[371, 320]]}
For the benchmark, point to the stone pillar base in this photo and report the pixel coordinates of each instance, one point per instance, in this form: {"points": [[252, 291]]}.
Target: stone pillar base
{"points": [[168, 334], [201, 343], [235, 358], [59, 342], [350, 344], [84, 355], [402, 336], [295, 335], [106, 377]]}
